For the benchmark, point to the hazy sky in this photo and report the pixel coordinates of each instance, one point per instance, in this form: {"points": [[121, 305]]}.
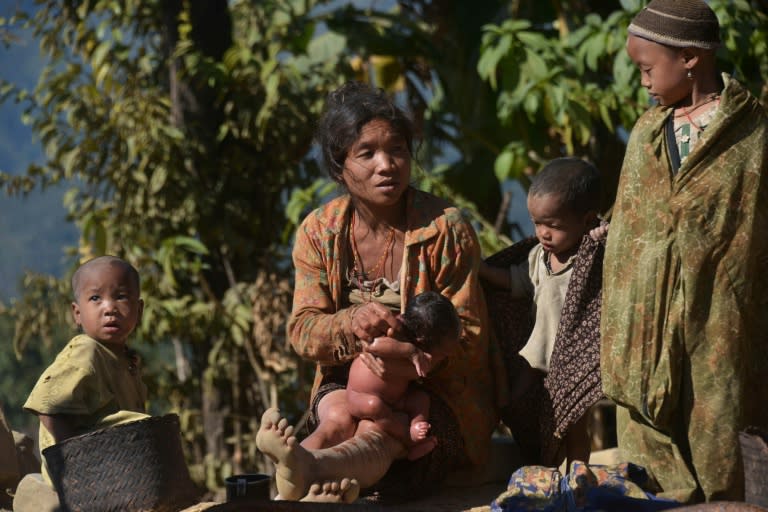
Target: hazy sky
{"points": [[33, 230]]}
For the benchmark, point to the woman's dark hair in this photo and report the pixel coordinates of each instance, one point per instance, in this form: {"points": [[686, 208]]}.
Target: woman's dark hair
{"points": [[576, 181], [347, 110], [429, 317]]}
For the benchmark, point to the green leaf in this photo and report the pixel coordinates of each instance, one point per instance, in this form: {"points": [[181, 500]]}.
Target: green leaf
{"points": [[99, 54], [158, 179], [191, 244], [535, 65], [491, 56], [503, 165], [327, 47], [68, 160], [534, 41]]}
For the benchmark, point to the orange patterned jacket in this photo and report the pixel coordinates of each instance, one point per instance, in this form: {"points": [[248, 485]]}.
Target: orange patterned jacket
{"points": [[441, 254]]}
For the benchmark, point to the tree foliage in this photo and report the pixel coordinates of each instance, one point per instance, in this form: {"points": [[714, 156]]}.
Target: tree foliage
{"points": [[183, 126], [568, 86], [185, 130]]}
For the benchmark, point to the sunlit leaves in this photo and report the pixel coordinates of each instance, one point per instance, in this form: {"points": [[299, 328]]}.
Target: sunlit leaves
{"points": [[302, 200], [744, 43], [560, 81], [179, 158], [571, 87], [326, 47], [511, 162]]}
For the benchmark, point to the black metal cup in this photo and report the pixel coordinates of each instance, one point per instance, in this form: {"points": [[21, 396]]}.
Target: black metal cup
{"points": [[248, 487]]}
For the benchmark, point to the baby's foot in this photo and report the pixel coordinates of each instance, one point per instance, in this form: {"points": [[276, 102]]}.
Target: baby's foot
{"points": [[422, 448], [419, 430], [345, 491], [293, 464]]}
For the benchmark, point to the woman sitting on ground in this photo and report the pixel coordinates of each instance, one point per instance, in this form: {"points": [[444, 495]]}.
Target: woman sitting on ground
{"points": [[359, 260]]}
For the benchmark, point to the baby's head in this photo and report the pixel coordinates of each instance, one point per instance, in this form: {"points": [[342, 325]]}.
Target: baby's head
{"points": [[107, 301], [432, 323], [563, 202]]}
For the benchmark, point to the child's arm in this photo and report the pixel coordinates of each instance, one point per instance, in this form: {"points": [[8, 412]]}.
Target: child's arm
{"points": [[386, 346], [421, 360], [61, 426], [497, 276], [388, 357], [599, 233], [514, 278]]}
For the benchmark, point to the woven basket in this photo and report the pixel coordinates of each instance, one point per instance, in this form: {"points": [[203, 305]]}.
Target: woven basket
{"points": [[131, 467], [754, 453]]}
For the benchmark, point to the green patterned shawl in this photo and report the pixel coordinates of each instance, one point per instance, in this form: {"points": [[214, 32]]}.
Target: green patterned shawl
{"points": [[685, 305]]}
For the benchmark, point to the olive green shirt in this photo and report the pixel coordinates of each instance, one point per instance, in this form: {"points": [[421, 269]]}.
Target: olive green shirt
{"points": [[91, 382]]}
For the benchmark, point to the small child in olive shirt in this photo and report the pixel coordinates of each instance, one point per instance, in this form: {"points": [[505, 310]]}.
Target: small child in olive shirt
{"points": [[95, 381]]}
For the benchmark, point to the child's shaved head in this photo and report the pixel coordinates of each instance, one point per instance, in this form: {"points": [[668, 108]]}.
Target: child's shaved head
{"points": [[103, 261]]}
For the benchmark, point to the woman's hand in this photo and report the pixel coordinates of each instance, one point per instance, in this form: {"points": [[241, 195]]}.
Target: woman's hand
{"points": [[372, 320]]}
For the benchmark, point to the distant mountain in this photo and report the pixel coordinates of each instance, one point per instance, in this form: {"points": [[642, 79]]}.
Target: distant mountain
{"points": [[33, 230]]}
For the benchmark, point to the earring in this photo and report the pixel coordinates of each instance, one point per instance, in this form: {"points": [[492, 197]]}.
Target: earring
{"points": [[690, 75]]}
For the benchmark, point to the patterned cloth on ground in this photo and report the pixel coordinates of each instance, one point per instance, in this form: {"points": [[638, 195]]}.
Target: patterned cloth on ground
{"points": [[616, 487]]}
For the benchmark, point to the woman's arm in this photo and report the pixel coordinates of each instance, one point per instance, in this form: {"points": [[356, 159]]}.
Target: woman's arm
{"points": [[317, 329]]}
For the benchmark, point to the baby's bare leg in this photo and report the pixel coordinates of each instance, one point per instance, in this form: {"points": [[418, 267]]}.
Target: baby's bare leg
{"points": [[336, 424], [345, 491], [422, 448], [417, 404], [424, 443]]}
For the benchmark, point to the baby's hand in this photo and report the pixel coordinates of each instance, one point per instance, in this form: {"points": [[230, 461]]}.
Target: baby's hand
{"points": [[422, 361], [600, 232]]}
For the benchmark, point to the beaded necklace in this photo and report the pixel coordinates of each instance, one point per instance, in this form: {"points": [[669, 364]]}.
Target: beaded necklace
{"points": [[365, 280], [715, 96], [687, 130]]}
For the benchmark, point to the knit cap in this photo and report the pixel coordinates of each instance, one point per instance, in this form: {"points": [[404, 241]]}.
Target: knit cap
{"points": [[678, 23]]}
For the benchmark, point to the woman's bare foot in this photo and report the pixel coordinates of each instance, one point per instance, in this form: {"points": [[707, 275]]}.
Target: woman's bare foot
{"points": [[419, 430], [345, 491], [422, 448], [293, 464]]}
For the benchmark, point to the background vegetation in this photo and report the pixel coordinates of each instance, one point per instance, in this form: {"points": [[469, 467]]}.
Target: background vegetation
{"points": [[183, 131]]}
